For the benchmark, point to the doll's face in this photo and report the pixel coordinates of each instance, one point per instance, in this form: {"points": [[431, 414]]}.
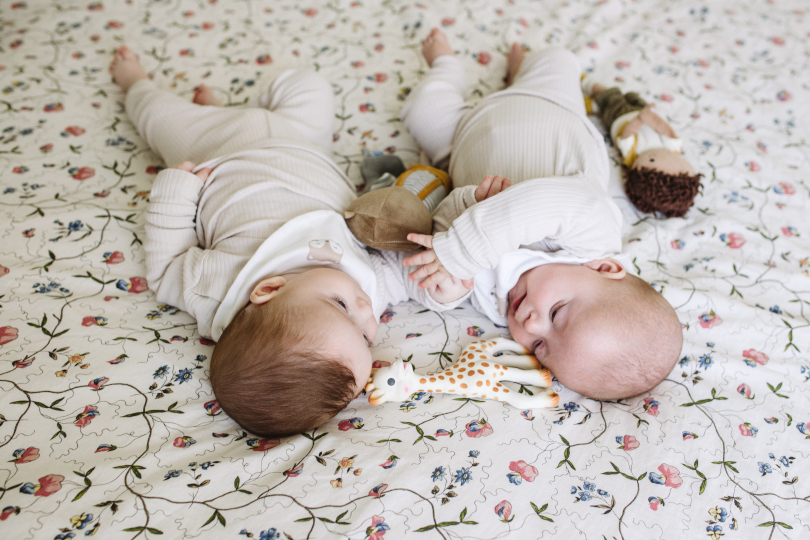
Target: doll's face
{"points": [[665, 161]]}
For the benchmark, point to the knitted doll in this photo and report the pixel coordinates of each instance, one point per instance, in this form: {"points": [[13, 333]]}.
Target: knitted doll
{"points": [[659, 179]]}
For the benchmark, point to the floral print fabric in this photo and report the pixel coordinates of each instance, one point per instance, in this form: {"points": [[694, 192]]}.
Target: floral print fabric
{"points": [[107, 421]]}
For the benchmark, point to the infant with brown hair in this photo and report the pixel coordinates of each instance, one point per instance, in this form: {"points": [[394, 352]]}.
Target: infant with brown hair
{"points": [[252, 243], [545, 252]]}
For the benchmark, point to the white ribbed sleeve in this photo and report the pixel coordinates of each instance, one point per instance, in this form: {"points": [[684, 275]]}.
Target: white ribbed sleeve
{"points": [[570, 211], [452, 206]]}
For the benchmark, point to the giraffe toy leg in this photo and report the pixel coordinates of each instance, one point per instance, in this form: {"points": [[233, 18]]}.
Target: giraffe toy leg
{"points": [[540, 400], [534, 377]]}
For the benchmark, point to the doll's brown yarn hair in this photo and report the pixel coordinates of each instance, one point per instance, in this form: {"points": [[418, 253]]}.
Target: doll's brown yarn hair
{"points": [[272, 377], [653, 191]]}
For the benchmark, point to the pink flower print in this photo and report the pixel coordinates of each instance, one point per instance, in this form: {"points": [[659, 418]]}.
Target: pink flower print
{"points": [[528, 414], [24, 363], [677, 244], [7, 511], [377, 529], [748, 430], [672, 475], [105, 448], [707, 320], [28, 233], [114, 257], [744, 390], [627, 443], [673, 49], [90, 321], [666, 97], [474, 331], [351, 423], [651, 406], [47, 486], [7, 334], [621, 65], [337, 483], [654, 502], [484, 58], [310, 12], [478, 428], [96, 384], [753, 166], [504, 509], [52, 107], [262, 445], [526, 471], [183, 442], [389, 463], [85, 417], [755, 357], [212, 407], [776, 40], [790, 231], [733, 240], [377, 492], [295, 471], [264, 59], [82, 173], [783, 188], [115, 24], [380, 77], [448, 21], [207, 25], [3, 270], [387, 315], [26, 455]]}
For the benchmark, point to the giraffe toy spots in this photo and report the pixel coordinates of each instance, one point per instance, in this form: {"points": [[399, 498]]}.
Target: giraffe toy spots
{"points": [[478, 372]]}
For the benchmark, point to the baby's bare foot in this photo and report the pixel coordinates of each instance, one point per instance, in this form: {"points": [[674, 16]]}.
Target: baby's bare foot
{"points": [[513, 61], [436, 45], [205, 96], [126, 68]]}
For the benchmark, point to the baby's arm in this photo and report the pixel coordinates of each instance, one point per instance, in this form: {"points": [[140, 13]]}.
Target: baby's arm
{"points": [[570, 211]]}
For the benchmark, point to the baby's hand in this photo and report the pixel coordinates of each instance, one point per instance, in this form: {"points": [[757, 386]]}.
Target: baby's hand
{"points": [[489, 187], [431, 270], [188, 166], [449, 290]]}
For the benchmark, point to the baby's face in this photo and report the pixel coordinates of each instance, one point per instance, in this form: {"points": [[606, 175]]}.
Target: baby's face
{"points": [[554, 311], [344, 315]]}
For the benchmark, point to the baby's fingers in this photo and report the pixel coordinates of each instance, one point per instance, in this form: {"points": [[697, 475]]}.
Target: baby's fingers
{"points": [[423, 257], [185, 166], [425, 240], [203, 174], [483, 188], [432, 280], [424, 271]]}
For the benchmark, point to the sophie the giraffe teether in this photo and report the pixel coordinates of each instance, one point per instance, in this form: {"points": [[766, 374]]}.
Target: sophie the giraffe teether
{"points": [[477, 372]]}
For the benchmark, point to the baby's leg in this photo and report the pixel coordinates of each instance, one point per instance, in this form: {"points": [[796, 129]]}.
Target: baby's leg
{"points": [[179, 130], [302, 103], [435, 107], [554, 72]]}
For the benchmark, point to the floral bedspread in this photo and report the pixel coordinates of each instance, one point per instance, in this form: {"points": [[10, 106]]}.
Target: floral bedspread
{"points": [[108, 425]]}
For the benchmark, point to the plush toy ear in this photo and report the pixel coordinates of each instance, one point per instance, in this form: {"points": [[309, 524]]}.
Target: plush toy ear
{"points": [[382, 219]]}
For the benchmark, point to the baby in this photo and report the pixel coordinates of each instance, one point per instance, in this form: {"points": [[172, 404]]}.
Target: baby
{"points": [[538, 250], [252, 243]]}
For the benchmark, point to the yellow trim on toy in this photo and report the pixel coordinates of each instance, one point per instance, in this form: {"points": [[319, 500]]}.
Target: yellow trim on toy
{"points": [[440, 175], [428, 189], [631, 156]]}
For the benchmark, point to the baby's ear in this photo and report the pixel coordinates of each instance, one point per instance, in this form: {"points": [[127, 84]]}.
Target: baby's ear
{"points": [[608, 268], [267, 289]]}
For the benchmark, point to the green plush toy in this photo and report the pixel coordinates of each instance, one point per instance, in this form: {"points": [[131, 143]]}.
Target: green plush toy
{"points": [[398, 201]]}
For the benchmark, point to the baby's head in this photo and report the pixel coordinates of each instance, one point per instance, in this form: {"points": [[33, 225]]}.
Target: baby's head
{"points": [[297, 354], [601, 332]]}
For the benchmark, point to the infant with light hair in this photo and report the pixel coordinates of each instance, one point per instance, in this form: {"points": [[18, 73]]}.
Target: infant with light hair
{"points": [[546, 252]]}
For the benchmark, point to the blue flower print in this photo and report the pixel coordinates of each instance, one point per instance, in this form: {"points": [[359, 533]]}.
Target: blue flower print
{"points": [[571, 407], [764, 468], [515, 478], [785, 461], [573, 490], [706, 361], [589, 486], [75, 225], [172, 474], [269, 534], [474, 453], [602, 492], [160, 372], [683, 361], [775, 309], [463, 475], [656, 478], [584, 496], [438, 474], [183, 376]]}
